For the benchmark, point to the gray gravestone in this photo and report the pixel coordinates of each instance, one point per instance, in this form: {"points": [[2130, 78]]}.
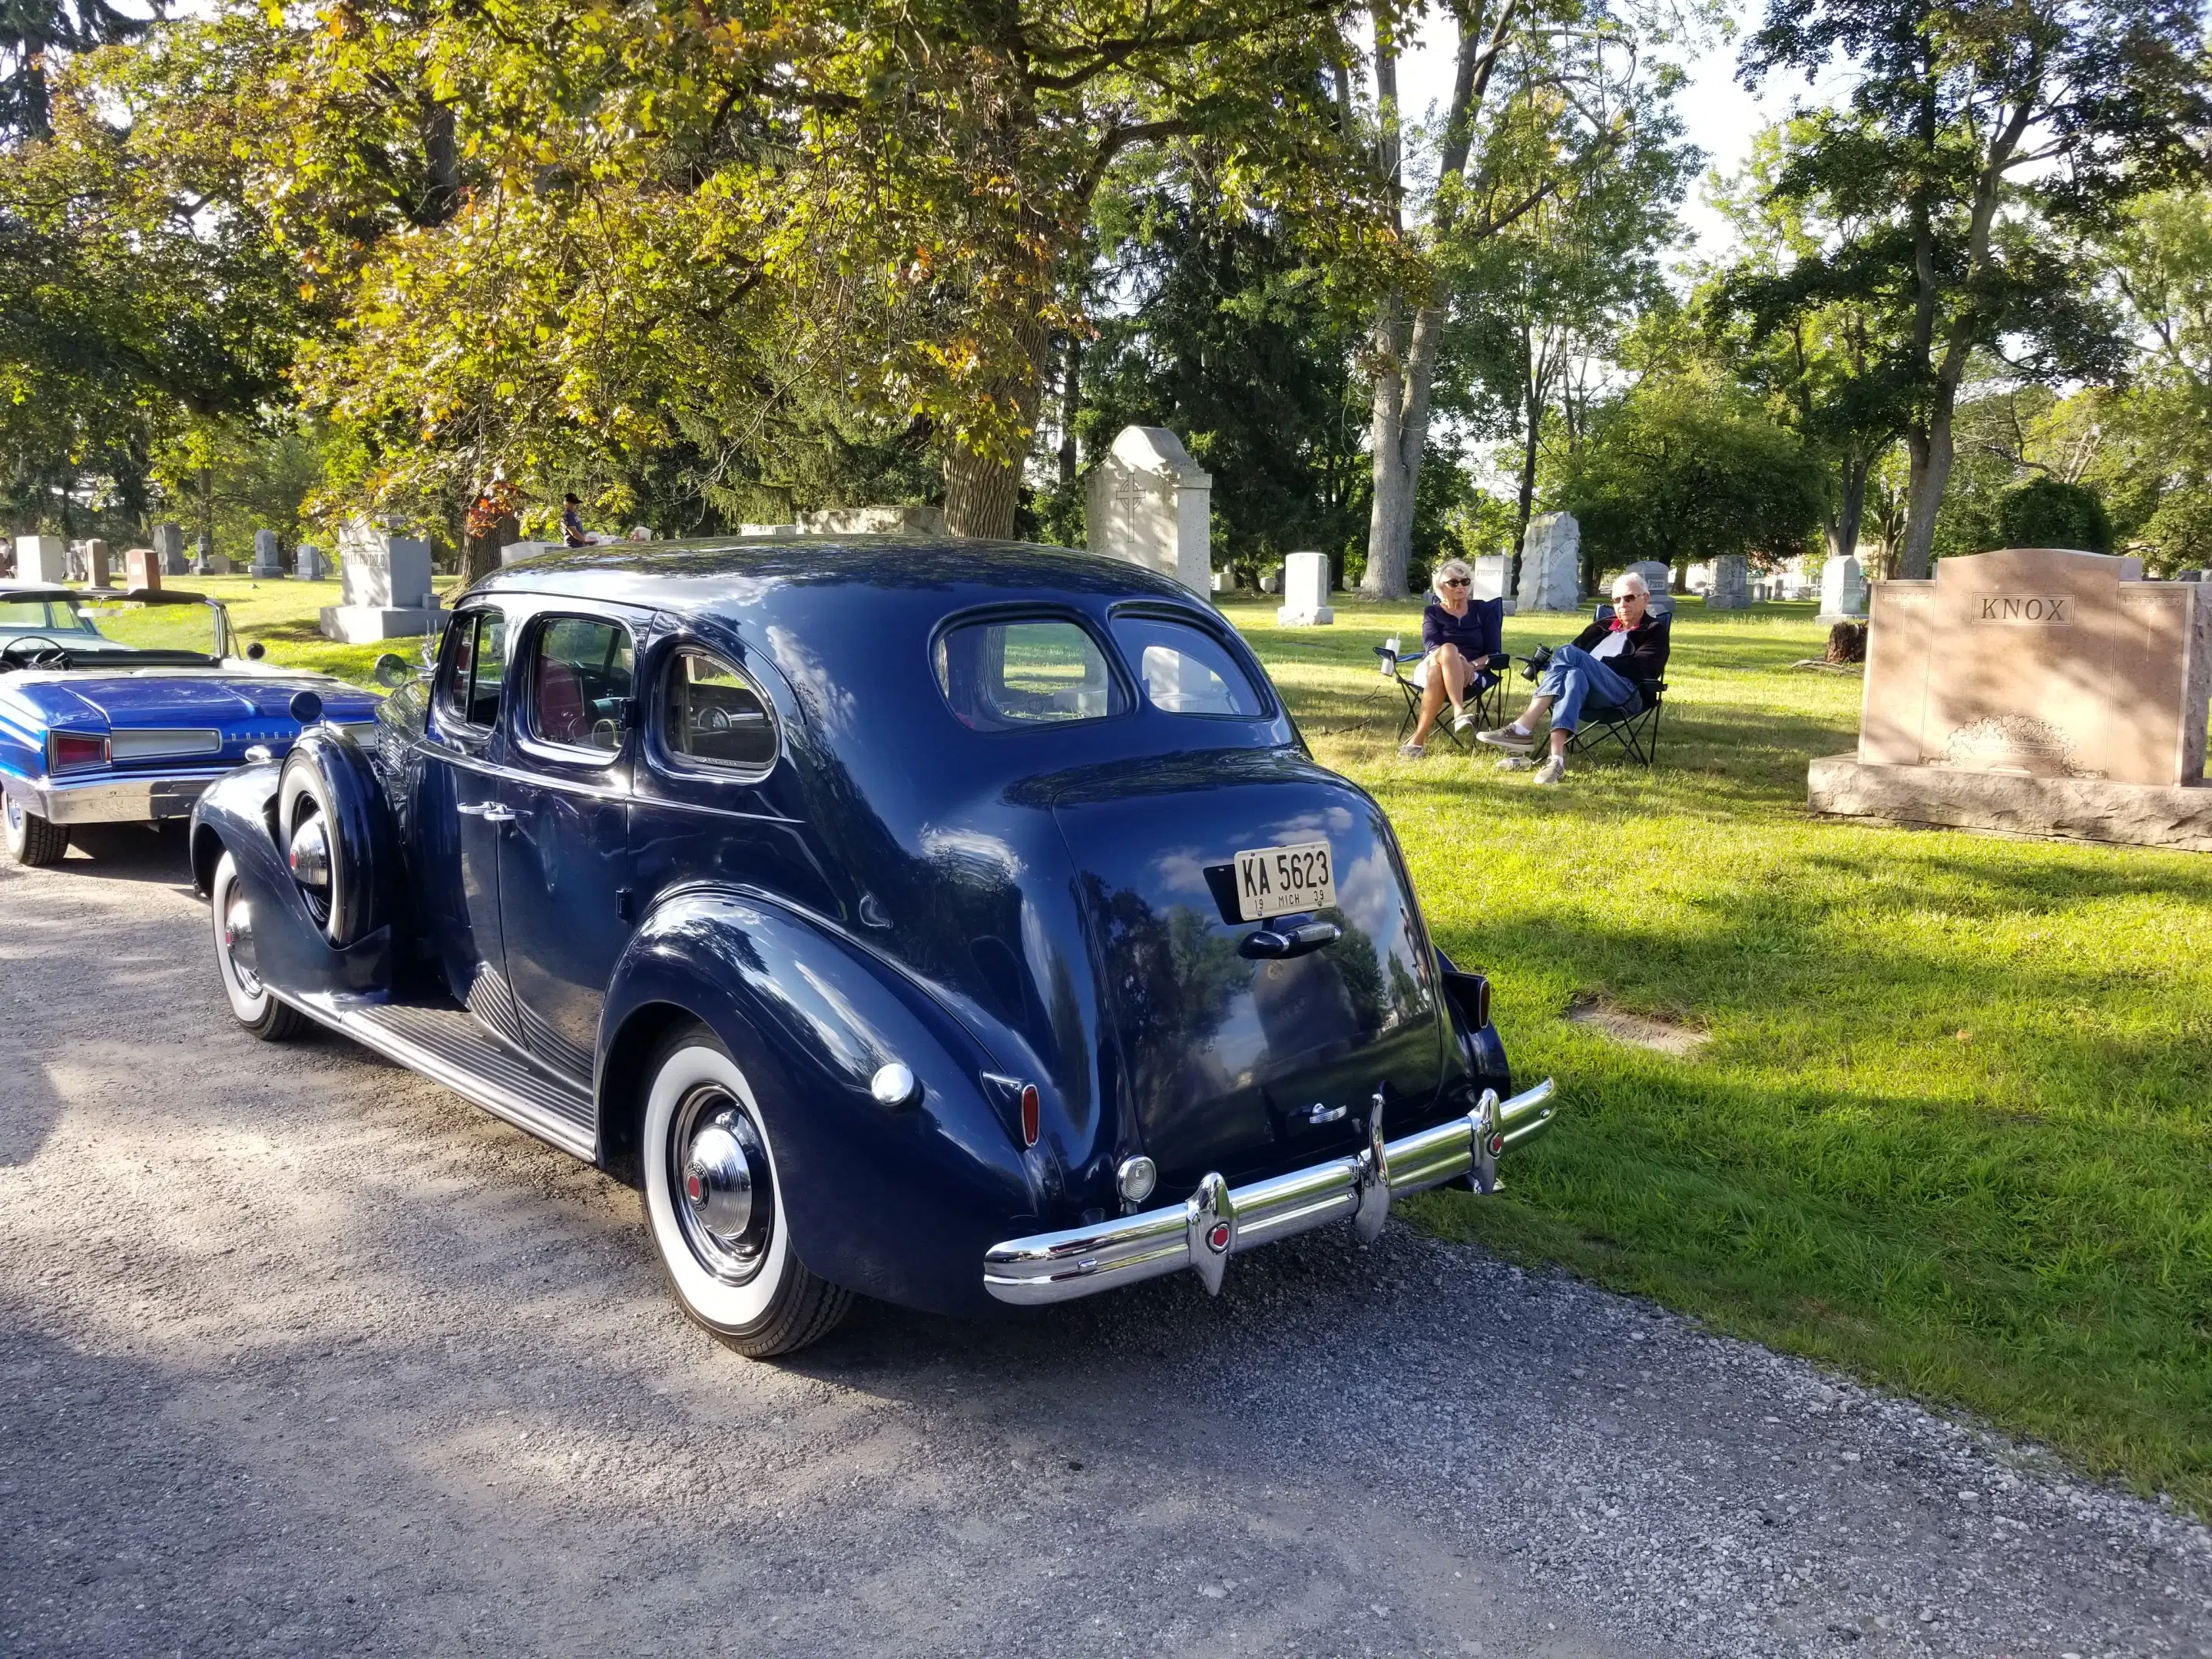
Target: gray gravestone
{"points": [[387, 592], [1660, 579], [267, 554], [169, 547], [309, 564], [1551, 564], [95, 562], [1843, 590], [1731, 588], [1149, 504]]}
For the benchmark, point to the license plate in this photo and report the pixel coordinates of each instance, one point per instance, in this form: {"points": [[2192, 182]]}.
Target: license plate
{"points": [[1281, 881]]}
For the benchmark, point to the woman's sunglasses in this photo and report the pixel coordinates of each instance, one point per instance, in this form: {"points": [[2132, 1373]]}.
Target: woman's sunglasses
{"points": [[1456, 582]]}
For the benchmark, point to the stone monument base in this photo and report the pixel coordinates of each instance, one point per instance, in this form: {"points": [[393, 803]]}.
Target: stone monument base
{"points": [[1319, 616], [1830, 618], [2010, 803], [364, 624]]}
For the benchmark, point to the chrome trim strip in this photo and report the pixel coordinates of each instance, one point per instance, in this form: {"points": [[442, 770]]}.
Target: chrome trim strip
{"points": [[1078, 1262]]}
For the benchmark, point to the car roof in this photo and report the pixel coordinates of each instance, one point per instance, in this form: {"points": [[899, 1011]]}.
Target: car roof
{"points": [[709, 575]]}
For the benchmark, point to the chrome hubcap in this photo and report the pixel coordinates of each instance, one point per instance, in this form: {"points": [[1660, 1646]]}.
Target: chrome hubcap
{"points": [[724, 1194], [238, 944], [310, 852]]}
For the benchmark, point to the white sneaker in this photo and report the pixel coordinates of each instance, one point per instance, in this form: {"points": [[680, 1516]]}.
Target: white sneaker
{"points": [[1411, 751], [1552, 770], [1462, 722]]}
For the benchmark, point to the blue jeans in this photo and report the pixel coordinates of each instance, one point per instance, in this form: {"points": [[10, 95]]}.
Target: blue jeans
{"points": [[1573, 676]]}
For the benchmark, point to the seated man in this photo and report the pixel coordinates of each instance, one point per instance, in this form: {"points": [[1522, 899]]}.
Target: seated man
{"points": [[1609, 664], [1459, 635]]}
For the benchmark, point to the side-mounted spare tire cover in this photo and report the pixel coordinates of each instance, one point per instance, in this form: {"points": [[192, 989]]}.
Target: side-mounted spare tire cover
{"points": [[335, 830]]}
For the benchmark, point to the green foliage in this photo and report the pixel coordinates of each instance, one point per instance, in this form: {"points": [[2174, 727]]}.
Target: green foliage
{"points": [[1229, 341], [1680, 472], [2052, 512]]}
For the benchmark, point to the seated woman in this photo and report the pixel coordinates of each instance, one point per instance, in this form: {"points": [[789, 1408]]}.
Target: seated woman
{"points": [[1609, 664], [1459, 635]]}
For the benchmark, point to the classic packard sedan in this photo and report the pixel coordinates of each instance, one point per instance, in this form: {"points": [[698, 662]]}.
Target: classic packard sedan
{"points": [[960, 924], [120, 709]]}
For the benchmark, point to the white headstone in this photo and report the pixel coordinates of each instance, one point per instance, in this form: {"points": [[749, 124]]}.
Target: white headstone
{"points": [[1843, 590], [513, 551], [1491, 573], [268, 557], [1551, 563], [42, 559], [1150, 504], [1731, 588], [1660, 579], [1305, 593], [141, 569], [169, 547]]}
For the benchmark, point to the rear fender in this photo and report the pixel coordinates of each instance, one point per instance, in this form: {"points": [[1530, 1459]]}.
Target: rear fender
{"points": [[234, 815], [899, 1201]]}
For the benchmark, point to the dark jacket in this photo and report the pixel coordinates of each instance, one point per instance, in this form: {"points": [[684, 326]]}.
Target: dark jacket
{"points": [[1478, 635], [1645, 659]]}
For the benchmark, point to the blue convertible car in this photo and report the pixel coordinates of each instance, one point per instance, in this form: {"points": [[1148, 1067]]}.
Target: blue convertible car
{"points": [[960, 924], [122, 707]]}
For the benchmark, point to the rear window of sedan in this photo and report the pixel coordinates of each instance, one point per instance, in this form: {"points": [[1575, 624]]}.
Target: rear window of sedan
{"points": [[1008, 674]]}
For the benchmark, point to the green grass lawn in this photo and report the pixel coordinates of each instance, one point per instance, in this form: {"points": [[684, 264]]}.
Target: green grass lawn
{"points": [[1951, 1127]]}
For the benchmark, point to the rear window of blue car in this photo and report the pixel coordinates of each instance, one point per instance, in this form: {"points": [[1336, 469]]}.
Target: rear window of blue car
{"points": [[1185, 669], [1006, 674]]}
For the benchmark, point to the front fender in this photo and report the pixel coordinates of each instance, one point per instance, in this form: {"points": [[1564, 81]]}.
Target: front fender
{"points": [[895, 1202], [293, 955]]}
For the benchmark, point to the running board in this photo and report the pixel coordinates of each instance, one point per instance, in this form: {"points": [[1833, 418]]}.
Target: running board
{"points": [[447, 1046]]}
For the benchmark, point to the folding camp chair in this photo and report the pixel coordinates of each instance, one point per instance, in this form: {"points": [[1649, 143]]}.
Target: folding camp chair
{"points": [[1635, 731], [1485, 698]]}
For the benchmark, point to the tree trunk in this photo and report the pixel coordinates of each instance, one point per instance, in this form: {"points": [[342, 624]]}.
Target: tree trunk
{"points": [[1525, 501], [1930, 445], [1399, 434], [981, 492], [1070, 403], [1842, 526]]}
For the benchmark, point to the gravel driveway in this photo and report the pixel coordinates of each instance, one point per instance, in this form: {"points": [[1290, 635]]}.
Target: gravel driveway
{"points": [[299, 1353]]}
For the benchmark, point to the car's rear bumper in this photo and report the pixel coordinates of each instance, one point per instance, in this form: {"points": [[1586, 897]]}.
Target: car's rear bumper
{"points": [[1217, 1221], [107, 798]]}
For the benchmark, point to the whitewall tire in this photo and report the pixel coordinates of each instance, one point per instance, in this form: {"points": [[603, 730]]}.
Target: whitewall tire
{"points": [[256, 1008], [714, 1202]]}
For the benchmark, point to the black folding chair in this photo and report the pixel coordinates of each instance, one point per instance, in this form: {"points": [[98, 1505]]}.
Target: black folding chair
{"points": [[1634, 730], [1635, 733], [1485, 698]]}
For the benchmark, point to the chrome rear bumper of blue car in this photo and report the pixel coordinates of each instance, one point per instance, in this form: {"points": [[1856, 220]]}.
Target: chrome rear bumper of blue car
{"points": [[1218, 1221], [107, 797]]}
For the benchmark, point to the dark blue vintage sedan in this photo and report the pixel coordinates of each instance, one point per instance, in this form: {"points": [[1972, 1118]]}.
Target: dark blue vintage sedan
{"points": [[960, 924], [119, 709]]}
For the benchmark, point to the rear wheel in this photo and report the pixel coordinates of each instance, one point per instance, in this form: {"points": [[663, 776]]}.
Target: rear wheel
{"points": [[33, 839], [714, 1205], [258, 1010]]}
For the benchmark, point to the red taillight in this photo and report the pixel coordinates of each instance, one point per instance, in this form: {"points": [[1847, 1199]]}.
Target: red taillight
{"points": [[67, 751], [1032, 1121]]}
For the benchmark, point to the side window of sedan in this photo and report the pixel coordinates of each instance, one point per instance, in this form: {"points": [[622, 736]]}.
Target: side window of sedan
{"points": [[712, 717], [469, 689], [580, 683]]}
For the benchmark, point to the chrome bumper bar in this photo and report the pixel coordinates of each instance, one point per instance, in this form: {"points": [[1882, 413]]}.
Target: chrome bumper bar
{"points": [[1217, 1221], [107, 798]]}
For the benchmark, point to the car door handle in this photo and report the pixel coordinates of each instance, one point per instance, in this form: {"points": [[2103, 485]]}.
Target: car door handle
{"points": [[490, 811]]}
